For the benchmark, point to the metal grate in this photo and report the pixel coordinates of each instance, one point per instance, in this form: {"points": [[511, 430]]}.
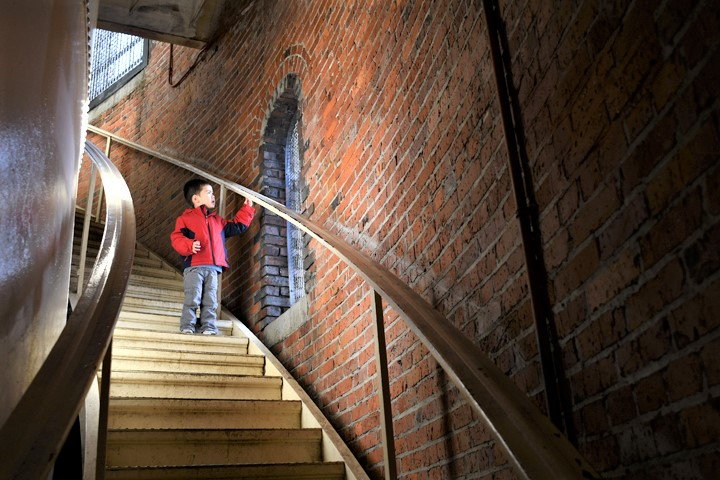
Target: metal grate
{"points": [[293, 194], [114, 59]]}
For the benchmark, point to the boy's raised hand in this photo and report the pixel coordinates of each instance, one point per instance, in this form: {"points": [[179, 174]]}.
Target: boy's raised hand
{"points": [[248, 202]]}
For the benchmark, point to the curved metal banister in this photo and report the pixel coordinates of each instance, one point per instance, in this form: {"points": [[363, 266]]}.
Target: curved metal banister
{"points": [[535, 446], [34, 433]]}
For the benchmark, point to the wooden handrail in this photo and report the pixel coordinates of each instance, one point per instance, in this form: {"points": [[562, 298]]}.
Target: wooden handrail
{"points": [[534, 445], [36, 429]]}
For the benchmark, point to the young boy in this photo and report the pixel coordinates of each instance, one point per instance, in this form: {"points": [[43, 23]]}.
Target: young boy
{"points": [[199, 237]]}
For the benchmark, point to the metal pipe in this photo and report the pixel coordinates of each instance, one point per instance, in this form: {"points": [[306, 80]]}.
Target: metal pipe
{"points": [[556, 398]]}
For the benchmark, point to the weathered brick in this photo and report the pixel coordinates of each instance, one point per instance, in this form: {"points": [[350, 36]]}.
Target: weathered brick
{"points": [[650, 299], [684, 377], [701, 424], [404, 157], [696, 317], [651, 393], [620, 406]]}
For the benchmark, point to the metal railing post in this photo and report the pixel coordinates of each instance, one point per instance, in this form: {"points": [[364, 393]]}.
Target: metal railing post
{"points": [[103, 416], [223, 195], [102, 190], [86, 231], [386, 421]]}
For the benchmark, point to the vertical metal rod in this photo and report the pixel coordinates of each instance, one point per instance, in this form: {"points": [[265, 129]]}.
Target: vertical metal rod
{"points": [[223, 194], [103, 415], [102, 190], [86, 231], [386, 422]]}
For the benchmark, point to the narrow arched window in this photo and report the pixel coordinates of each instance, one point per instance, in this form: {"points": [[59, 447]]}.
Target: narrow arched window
{"points": [[293, 195]]}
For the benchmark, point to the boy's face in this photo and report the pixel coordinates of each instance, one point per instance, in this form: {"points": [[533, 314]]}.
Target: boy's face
{"points": [[205, 197]]}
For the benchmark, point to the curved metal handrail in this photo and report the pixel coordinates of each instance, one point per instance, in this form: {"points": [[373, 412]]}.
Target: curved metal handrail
{"points": [[37, 427], [535, 446]]}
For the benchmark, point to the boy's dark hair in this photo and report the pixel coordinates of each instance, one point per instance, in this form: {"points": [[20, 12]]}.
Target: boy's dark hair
{"points": [[193, 187]]}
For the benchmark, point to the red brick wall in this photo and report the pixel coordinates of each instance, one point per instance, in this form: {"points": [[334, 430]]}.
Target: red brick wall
{"points": [[405, 158]]}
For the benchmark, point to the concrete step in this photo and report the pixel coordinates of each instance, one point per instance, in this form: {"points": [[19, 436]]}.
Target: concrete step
{"points": [[145, 339], [193, 385], [152, 272], [140, 260], [150, 305], [156, 282], [147, 360], [280, 471], [162, 323], [181, 413], [142, 291], [212, 447]]}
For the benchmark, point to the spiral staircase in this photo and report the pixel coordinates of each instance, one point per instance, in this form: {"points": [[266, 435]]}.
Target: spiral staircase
{"points": [[197, 406]]}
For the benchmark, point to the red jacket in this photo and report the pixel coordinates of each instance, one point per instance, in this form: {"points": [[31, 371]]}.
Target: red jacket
{"points": [[211, 230]]}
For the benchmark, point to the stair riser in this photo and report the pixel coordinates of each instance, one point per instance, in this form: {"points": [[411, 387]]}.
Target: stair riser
{"points": [[139, 305], [203, 414], [168, 295], [199, 347], [140, 261], [190, 367], [157, 282], [155, 273], [182, 385], [192, 391], [157, 447]]}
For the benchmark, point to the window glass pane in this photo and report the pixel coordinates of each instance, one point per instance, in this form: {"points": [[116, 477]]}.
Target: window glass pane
{"points": [[296, 272], [114, 59]]}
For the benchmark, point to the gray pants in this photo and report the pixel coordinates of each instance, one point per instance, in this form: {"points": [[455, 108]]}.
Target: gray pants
{"points": [[201, 285]]}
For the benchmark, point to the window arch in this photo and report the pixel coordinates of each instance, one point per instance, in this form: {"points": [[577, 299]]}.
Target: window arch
{"points": [[282, 253]]}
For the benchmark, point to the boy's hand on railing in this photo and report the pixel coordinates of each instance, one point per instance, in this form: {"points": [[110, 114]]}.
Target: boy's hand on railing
{"points": [[248, 202]]}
